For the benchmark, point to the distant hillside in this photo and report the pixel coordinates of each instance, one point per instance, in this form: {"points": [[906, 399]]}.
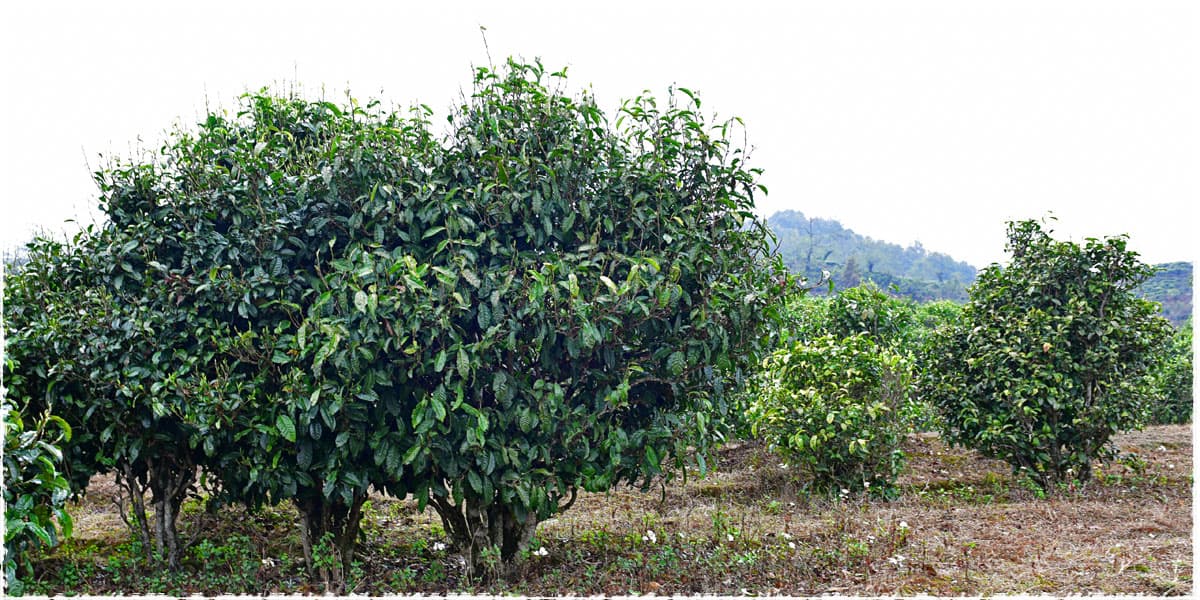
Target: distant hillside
{"points": [[810, 246], [1171, 287]]}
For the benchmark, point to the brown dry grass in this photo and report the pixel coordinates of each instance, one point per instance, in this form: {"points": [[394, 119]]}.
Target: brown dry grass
{"points": [[971, 529]]}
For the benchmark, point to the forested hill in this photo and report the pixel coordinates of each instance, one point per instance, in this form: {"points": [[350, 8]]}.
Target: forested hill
{"points": [[1171, 287], [810, 246]]}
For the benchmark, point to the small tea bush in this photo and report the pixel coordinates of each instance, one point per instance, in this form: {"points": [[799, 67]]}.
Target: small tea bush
{"points": [[1173, 381], [837, 407], [35, 491], [866, 309], [1050, 357]]}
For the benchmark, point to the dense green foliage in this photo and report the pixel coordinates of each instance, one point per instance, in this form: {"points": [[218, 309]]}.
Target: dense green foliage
{"points": [[35, 491], [1171, 286], [103, 345], [1050, 356], [810, 246], [309, 301], [1172, 402], [865, 309], [837, 407]]}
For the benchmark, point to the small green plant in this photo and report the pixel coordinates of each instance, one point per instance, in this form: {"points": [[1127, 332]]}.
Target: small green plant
{"points": [[723, 529], [1173, 380], [491, 561], [35, 491], [836, 407], [402, 579], [1031, 485], [1134, 462]]}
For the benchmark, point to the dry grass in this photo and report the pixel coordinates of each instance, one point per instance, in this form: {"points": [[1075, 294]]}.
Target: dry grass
{"points": [[748, 527]]}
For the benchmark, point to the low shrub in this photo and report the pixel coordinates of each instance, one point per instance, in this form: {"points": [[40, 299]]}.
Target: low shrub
{"points": [[1172, 403], [35, 491], [837, 407]]}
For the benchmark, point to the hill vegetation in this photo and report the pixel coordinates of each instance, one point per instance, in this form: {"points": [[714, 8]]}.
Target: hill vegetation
{"points": [[1171, 287], [810, 246]]}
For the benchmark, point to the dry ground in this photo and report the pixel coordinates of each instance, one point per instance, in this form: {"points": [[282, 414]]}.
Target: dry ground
{"points": [[962, 525]]}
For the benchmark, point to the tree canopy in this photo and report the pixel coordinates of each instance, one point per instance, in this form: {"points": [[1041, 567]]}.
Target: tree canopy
{"points": [[1050, 357], [325, 299]]}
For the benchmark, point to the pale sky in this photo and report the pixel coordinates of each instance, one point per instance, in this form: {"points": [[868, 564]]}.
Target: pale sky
{"points": [[905, 120]]}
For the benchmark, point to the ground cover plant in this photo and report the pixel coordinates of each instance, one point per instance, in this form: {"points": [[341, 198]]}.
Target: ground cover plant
{"points": [[961, 524]]}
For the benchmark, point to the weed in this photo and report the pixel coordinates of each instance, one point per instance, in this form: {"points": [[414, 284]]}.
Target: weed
{"points": [[402, 579], [723, 529], [434, 573]]}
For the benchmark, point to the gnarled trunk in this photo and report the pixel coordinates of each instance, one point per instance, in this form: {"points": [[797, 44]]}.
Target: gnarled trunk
{"points": [[133, 489], [491, 538], [330, 531], [170, 481]]}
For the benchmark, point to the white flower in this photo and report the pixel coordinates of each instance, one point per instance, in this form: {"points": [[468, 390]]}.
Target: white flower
{"points": [[438, 546], [867, 485], [787, 536], [729, 536], [903, 525], [792, 545], [650, 535], [783, 465], [541, 551], [845, 492]]}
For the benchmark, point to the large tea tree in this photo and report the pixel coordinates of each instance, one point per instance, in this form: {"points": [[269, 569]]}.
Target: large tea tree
{"points": [[1050, 356], [602, 287], [541, 301]]}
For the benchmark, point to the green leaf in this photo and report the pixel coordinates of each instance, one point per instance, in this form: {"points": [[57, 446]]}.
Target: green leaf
{"points": [[286, 428], [464, 364], [676, 363], [612, 287]]}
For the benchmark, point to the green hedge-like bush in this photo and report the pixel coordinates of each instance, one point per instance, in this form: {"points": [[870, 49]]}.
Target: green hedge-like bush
{"points": [[1173, 381], [35, 492], [838, 408], [1050, 357], [868, 310]]}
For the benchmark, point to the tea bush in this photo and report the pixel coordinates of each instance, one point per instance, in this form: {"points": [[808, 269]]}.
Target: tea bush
{"points": [[1172, 401], [838, 408], [310, 301], [1050, 357], [35, 491]]}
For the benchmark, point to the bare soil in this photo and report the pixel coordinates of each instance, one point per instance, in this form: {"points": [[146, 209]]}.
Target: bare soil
{"points": [[962, 525]]}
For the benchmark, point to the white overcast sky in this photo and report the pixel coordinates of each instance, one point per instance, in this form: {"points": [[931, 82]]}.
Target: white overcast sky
{"points": [[905, 120]]}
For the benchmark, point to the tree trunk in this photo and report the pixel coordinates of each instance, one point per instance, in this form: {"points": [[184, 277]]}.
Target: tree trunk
{"points": [[170, 481], [330, 531], [490, 538], [135, 490]]}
